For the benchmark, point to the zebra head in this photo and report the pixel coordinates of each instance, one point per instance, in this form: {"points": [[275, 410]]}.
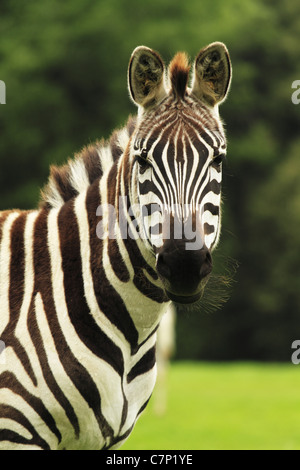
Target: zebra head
{"points": [[177, 151]]}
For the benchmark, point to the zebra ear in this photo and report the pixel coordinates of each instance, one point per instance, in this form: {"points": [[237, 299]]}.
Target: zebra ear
{"points": [[212, 74], [146, 77]]}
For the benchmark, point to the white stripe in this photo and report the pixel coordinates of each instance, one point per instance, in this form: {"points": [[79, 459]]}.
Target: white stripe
{"points": [[78, 178], [212, 198], [52, 195], [123, 138], [106, 158]]}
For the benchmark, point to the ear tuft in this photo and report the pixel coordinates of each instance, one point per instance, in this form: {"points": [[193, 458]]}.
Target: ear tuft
{"points": [[146, 77], [212, 74], [179, 74]]}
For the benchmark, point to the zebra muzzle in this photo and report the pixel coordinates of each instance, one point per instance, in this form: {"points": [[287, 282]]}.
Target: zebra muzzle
{"points": [[184, 273]]}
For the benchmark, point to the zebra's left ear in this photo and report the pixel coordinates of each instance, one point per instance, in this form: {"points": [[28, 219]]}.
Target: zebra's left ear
{"points": [[146, 77], [212, 74]]}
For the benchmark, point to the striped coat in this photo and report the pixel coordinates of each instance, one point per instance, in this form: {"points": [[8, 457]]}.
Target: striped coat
{"points": [[81, 302], [68, 333]]}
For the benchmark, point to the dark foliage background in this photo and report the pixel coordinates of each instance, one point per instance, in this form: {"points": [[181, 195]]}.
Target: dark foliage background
{"points": [[64, 65]]}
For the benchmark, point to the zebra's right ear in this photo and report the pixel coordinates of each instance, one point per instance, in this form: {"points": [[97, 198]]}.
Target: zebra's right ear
{"points": [[146, 77], [212, 74]]}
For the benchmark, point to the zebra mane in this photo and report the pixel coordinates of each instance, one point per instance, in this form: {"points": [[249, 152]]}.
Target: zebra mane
{"points": [[179, 74], [67, 181]]}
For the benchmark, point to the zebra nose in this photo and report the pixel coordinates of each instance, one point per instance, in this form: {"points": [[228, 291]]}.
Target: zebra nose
{"points": [[182, 271]]}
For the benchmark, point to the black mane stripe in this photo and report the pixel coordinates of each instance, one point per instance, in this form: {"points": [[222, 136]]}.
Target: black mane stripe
{"points": [[179, 74], [66, 181]]}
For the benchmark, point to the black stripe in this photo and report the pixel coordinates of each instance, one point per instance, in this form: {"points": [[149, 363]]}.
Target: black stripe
{"points": [[8, 380], [143, 406], [119, 438], [214, 210], [208, 229], [124, 410], [129, 430], [150, 209], [117, 262], [133, 352], [145, 364], [213, 186], [17, 266], [145, 187]]}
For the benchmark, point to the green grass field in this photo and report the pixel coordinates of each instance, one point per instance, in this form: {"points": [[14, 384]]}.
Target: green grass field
{"points": [[224, 406]]}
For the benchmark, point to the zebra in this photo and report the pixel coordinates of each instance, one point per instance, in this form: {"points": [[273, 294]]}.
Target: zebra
{"points": [[122, 230]]}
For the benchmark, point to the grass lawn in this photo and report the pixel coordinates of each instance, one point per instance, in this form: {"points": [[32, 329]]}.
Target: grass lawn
{"points": [[224, 406]]}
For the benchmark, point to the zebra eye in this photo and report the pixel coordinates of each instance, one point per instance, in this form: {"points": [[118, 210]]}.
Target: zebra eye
{"points": [[142, 159], [144, 154], [218, 160]]}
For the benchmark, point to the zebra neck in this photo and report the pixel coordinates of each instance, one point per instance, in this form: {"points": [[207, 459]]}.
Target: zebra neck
{"points": [[120, 269]]}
